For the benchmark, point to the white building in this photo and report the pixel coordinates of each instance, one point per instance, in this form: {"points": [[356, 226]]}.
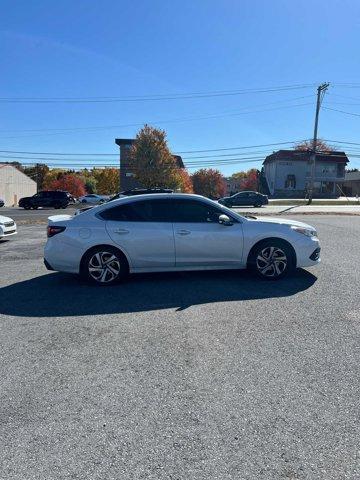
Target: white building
{"points": [[288, 173], [14, 185]]}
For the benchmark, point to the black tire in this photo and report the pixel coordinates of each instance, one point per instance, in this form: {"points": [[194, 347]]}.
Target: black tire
{"points": [[94, 270], [27, 207], [272, 259], [57, 206], [257, 205], [34, 208]]}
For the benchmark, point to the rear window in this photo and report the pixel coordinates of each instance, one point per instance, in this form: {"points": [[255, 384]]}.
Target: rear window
{"points": [[143, 211]]}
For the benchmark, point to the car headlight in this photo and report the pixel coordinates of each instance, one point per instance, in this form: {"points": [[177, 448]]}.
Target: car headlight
{"points": [[309, 232]]}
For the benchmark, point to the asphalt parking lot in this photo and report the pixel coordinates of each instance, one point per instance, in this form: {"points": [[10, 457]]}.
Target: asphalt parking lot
{"points": [[185, 376]]}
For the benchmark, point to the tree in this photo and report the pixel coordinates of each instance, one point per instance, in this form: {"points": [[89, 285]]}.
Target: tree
{"points": [[151, 161], [309, 145], [69, 182], [209, 182], [185, 182], [250, 182], [90, 185], [107, 180], [247, 180], [51, 176]]}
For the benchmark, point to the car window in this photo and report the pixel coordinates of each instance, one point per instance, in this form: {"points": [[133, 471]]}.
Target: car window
{"points": [[143, 211], [58, 195], [192, 211]]}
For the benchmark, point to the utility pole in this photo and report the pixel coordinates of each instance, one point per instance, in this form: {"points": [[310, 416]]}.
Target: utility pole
{"points": [[320, 95], [37, 177]]}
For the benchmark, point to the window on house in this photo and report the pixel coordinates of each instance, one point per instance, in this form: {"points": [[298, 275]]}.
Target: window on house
{"points": [[290, 182], [340, 170]]}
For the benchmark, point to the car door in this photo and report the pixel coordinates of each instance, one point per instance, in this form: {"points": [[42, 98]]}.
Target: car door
{"points": [[240, 199], [200, 240], [144, 230], [39, 199]]}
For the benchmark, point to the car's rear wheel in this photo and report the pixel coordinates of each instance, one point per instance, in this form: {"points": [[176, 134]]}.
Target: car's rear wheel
{"points": [[27, 207], [257, 205], [104, 265], [272, 259]]}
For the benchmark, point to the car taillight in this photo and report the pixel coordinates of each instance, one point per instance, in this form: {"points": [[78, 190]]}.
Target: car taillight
{"points": [[53, 230]]}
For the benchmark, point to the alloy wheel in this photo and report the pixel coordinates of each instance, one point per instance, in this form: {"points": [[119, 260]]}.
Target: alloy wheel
{"points": [[271, 262], [104, 267]]}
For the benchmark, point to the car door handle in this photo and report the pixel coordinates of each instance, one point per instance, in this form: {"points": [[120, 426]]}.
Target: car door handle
{"points": [[121, 231], [183, 232]]}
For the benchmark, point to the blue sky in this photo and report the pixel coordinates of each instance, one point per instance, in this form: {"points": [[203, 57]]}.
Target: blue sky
{"points": [[126, 48]]}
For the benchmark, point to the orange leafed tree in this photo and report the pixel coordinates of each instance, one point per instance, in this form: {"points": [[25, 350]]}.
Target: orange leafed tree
{"points": [[150, 160], [250, 182], [309, 145], [209, 183], [69, 182], [185, 182]]}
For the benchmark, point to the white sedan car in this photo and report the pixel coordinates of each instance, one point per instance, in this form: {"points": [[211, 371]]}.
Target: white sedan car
{"points": [[7, 227], [174, 232]]}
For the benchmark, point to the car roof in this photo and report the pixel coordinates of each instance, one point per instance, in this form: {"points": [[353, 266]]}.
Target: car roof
{"points": [[150, 196], [145, 196]]}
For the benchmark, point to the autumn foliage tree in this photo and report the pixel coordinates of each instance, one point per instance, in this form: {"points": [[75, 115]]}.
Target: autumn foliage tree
{"points": [[107, 180], [151, 161], [309, 145], [208, 182], [69, 182], [185, 182]]}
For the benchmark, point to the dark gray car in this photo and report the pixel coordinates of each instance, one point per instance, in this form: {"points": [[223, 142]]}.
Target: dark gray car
{"points": [[247, 198]]}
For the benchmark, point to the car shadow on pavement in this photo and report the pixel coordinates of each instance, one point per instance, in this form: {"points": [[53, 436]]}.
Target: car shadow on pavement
{"points": [[59, 295]]}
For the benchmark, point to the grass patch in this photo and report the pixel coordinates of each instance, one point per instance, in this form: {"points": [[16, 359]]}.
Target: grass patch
{"points": [[314, 202]]}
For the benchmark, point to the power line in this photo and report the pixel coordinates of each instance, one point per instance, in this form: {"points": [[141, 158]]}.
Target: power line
{"points": [[105, 127], [160, 122], [182, 152], [341, 141], [156, 97], [342, 111], [50, 159]]}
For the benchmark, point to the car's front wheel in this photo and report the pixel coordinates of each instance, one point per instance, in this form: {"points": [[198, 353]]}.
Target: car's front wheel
{"points": [[104, 266], [272, 259]]}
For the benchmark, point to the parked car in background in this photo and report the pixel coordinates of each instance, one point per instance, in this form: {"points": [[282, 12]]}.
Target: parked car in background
{"points": [[153, 233], [7, 227], [47, 199], [93, 198], [140, 191], [2, 202], [129, 193], [241, 199]]}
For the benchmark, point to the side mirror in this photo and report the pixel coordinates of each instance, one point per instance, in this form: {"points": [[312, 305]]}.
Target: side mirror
{"points": [[225, 220]]}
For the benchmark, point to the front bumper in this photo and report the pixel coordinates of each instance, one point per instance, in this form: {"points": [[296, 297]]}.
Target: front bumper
{"points": [[7, 231], [307, 251]]}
